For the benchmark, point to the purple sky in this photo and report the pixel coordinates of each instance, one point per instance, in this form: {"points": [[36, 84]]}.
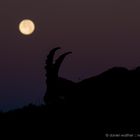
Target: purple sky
{"points": [[100, 33]]}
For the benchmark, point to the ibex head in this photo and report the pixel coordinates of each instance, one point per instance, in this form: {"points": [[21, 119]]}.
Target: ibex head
{"points": [[52, 70]]}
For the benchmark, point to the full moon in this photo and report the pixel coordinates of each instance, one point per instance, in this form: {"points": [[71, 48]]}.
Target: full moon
{"points": [[26, 27]]}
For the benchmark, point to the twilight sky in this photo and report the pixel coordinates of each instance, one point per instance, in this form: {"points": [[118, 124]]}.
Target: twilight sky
{"points": [[100, 33]]}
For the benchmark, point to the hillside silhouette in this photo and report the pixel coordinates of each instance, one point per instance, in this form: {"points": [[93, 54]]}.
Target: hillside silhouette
{"points": [[108, 100], [115, 91]]}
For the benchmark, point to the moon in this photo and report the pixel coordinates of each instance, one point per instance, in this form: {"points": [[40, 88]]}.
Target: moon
{"points": [[26, 27]]}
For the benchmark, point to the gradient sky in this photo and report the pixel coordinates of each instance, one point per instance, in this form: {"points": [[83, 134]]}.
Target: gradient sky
{"points": [[100, 33]]}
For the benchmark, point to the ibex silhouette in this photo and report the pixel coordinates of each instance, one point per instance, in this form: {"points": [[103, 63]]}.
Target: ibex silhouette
{"points": [[100, 93], [57, 87]]}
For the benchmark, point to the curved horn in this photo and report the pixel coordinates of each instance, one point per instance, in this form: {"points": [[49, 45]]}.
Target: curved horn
{"points": [[50, 57], [60, 60]]}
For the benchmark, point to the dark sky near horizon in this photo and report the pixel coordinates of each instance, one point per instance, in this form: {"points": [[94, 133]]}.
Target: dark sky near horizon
{"points": [[100, 33]]}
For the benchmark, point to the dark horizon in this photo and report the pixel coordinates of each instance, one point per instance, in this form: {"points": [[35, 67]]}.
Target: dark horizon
{"points": [[108, 101], [101, 34]]}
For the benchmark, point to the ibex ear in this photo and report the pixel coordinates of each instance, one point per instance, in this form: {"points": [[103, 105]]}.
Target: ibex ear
{"points": [[50, 57], [60, 60]]}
